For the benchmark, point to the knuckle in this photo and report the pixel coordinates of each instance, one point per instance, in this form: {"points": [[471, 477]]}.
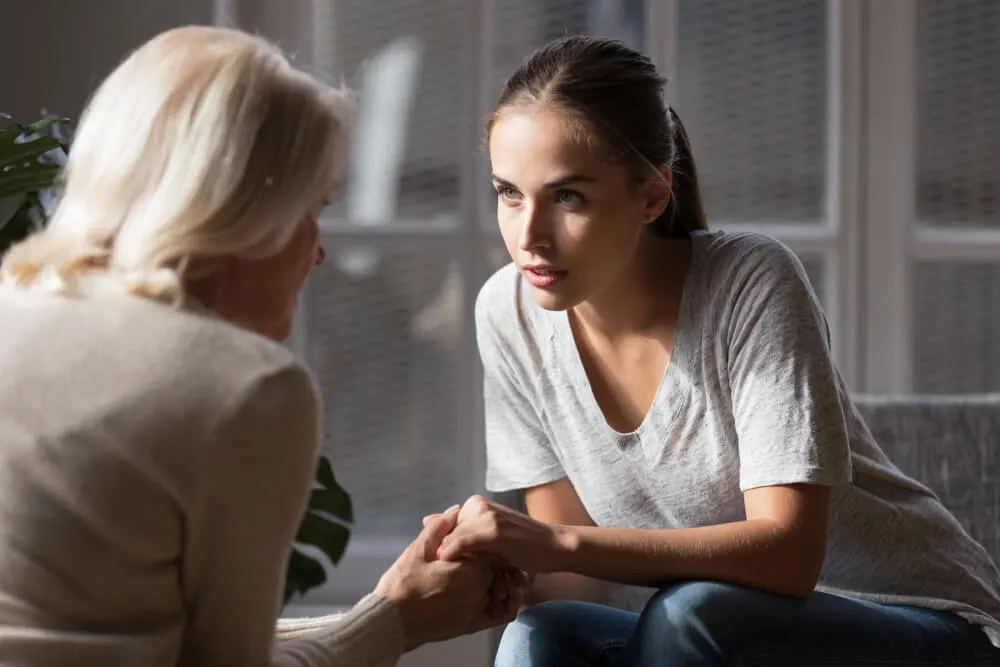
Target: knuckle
{"points": [[492, 526]]}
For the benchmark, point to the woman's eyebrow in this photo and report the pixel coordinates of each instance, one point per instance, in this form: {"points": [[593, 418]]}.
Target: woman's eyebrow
{"points": [[551, 185]]}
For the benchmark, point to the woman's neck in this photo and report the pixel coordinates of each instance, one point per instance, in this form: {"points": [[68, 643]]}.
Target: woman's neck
{"points": [[644, 298]]}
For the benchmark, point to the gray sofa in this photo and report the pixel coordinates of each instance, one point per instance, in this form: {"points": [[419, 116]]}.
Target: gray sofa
{"points": [[950, 443]]}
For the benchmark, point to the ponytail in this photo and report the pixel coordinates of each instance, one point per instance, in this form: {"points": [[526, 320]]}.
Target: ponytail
{"points": [[685, 212]]}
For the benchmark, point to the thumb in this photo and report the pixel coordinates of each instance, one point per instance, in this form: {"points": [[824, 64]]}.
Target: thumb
{"points": [[436, 528]]}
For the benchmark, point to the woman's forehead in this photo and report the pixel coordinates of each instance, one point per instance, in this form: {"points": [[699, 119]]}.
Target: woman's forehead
{"points": [[542, 145]]}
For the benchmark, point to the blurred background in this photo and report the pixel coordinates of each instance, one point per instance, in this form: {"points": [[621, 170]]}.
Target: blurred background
{"points": [[863, 133]]}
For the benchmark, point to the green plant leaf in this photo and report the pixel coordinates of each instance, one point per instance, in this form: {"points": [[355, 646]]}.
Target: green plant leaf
{"points": [[317, 529], [12, 153], [44, 124], [10, 218], [324, 473], [333, 501], [328, 536], [303, 574], [20, 224], [27, 179]]}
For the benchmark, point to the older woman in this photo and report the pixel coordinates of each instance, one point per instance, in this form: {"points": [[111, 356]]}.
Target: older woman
{"points": [[157, 444]]}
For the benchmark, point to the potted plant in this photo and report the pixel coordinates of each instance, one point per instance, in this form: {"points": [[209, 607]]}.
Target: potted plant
{"points": [[31, 157]]}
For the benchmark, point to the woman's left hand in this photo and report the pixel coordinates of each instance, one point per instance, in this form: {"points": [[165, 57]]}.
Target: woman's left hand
{"points": [[484, 527]]}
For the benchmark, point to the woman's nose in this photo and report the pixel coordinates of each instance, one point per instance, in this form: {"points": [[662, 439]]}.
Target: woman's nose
{"points": [[320, 255], [534, 232]]}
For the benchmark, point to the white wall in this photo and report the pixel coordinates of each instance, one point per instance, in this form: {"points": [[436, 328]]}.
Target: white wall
{"points": [[64, 49]]}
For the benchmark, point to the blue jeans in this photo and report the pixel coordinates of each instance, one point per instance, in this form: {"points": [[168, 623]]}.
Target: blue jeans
{"points": [[707, 623]]}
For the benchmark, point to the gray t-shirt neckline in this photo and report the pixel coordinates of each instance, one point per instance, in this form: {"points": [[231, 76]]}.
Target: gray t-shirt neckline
{"points": [[667, 401]]}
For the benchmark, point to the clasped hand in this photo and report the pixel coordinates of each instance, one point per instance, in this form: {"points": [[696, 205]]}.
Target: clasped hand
{"points": [[487, 529], [439, 599], [465, 570]]}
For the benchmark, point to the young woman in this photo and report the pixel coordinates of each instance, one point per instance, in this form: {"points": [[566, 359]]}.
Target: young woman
{"points": [[665, 396], [157, 442]]}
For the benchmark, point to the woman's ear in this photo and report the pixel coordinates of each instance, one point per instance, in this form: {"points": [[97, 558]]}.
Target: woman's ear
{"points": [[657, 193]]}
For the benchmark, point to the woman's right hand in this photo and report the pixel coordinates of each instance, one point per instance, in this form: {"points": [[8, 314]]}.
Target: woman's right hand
{"points": [[439, 600]]}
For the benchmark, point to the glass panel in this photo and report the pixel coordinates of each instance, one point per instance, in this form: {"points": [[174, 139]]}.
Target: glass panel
{"points": [[521, 26], [406, 165], [956, 328], [958, 113], [381, 340], [752, 91]]}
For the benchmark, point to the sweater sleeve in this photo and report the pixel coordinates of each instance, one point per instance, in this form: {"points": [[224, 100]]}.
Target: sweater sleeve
{"points": [[370, 634], [238, 539]]}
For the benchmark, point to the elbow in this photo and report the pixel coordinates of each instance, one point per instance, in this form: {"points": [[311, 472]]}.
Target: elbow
{"points": [[799, 572], [795, 562], [800, 589], [799, 583]]}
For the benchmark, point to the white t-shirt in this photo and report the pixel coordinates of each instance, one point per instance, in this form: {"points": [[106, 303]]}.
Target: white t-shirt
{"points": [[750, 398]]}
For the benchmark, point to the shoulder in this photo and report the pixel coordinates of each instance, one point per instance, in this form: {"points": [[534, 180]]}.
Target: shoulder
{"points": [[499, 298], [745, 255], [258, 392], [509, 323], [756, 286], [506, 309], [213, 349], [192, 356], [750, 269]]}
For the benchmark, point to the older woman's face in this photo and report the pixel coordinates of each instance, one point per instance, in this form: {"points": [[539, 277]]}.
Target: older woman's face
{"points": [[263, 294], [283, 278]]}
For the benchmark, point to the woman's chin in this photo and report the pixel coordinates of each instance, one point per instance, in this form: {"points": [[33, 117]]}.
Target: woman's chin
{"points": [[554, 301]]}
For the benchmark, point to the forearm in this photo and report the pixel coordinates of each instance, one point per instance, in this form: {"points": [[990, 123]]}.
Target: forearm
{"points": [[758, 553]]}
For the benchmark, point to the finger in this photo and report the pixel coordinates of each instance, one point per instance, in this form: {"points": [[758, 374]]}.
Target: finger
{"points": [[466, 539], [430, 517], [514, 602], [435, 530], [499, 592]]}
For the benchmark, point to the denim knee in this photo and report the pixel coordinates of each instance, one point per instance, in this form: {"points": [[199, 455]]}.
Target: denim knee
{"points": [[695, 619], [563, 633], [534, 633]]}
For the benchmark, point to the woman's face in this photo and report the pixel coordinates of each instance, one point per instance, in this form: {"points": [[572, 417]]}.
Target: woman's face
{"points": [[263, 294], [571, 219]]}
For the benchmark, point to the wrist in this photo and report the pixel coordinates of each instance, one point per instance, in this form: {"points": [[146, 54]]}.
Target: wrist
{"points": [[567, 546], [392, 589]]}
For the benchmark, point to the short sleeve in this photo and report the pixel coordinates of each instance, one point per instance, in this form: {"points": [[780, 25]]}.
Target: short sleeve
{"points": [[519, 453], [787, 393]]}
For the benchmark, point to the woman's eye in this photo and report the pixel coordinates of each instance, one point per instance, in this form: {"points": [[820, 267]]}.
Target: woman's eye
{"points": [[505, 192], [570, 197]]}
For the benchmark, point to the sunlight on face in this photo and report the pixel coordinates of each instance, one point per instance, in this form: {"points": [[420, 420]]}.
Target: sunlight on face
{"points": [[570, 218]]}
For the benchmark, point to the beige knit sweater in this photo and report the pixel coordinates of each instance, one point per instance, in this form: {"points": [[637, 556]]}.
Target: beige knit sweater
{"points": [[154, 466]]}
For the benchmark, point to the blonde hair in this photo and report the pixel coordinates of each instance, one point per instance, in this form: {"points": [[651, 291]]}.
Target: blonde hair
{"points": [[204, 143]]}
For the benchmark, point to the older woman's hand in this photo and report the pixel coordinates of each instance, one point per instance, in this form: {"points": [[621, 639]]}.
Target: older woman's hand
{"points": [[506, 594], [438, 599]]}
